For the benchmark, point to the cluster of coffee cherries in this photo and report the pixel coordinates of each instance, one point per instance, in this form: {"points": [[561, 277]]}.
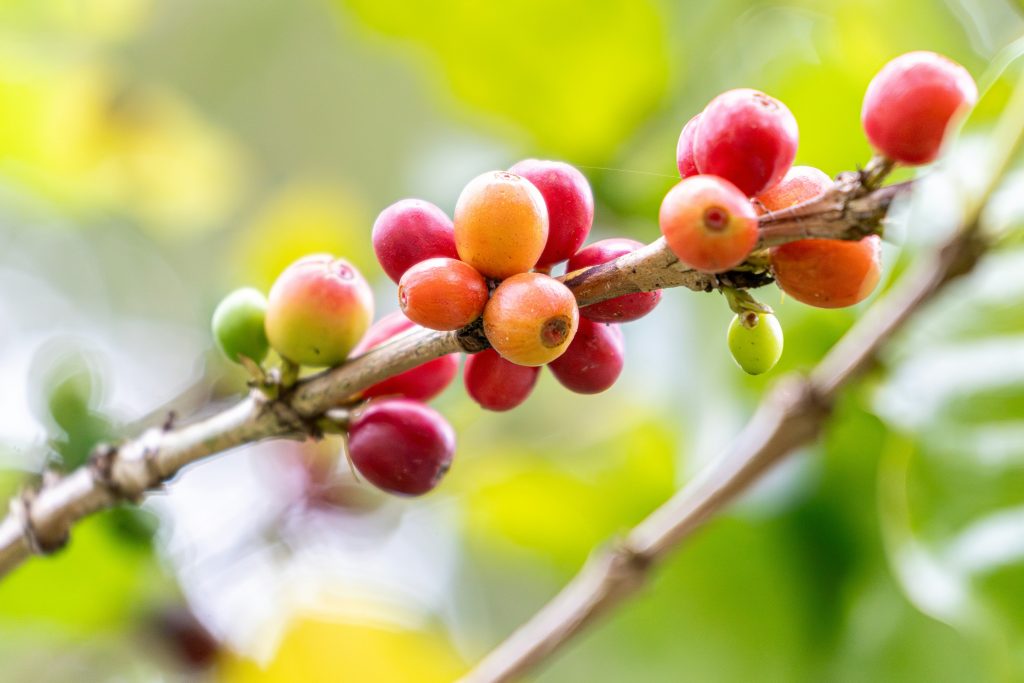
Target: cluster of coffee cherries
{"points": [[491, 266]]}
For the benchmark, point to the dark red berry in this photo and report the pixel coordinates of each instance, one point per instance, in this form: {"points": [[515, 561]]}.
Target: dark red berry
{"points": [[401, 446], [684, 149], [497, 384], [621, 309], [423, 382], [570, 205], [748, 138], [909, 104], [410, 231], [593, 360]]}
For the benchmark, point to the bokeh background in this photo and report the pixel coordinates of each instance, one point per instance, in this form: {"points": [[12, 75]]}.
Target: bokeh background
{"points": [[155, 154]]}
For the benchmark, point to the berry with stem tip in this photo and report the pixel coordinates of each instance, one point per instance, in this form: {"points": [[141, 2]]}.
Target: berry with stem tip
{"points": [[531, 319], [755, 341], [623, 308], [318, 309], [497, 384], [401, 446], [570, 205], [501, 224], [238, 324], [442, 294], [593, 360], [708, 223], [910, 103], [684, 149], [410, 231], [422, 382], [828, 273], [746, 137]]}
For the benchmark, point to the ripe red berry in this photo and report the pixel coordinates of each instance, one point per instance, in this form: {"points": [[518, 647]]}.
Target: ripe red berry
{"points": [[497, 384], [828, 273], [570, 205], [801, 184], [442, 293], [909, 104], [317, 310], [501, 224], [708, 223], [410, 231], [421, 383], [593, 360], [623, 308], [684, 149], [401, 446], [531, 318], [746, 137]]}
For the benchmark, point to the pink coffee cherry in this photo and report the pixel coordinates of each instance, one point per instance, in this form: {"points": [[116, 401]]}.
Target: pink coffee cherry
{"points": [[684, 149], [410, 231], [621, 309], [593, 360], [746, 137], [401, 446], [910, 103], [421, 383], [570, 205], [497, 384]]}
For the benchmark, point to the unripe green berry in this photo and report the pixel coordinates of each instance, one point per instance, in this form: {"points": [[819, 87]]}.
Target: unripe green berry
{"points": [[755, 340], [238, 325]]}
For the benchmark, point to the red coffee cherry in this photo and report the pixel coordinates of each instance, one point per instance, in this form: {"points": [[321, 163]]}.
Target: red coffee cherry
{"points": [[593, 360], [801, 184], [621, 309], [909, 105], [684, 149], [442, 293], [501, 224], [746, 137], [530, 319], [828, 273], [317, 310], [421, 383], [708, 223], [410, 231], [570, 205], [401, 446], [497, 384]]}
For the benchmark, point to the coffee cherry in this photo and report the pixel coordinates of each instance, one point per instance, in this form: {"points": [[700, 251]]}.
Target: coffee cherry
{"points": [[410, 231], [421, 383], [684, 149], [501, 224], [531, 319], [801, 184], [755, 341], [318, 309], [497, 384], [238, 325], [442, 293], [708, 223], [593, 360], [909, 105], [828, 273], [570, 205], [623, 308], [746, 137], [401, 446]]}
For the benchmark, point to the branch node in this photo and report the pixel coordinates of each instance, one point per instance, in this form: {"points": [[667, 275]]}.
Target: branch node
{"points": [[472, 338], [21, 510]]}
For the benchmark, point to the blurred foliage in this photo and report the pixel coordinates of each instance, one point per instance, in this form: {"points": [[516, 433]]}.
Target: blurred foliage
{"points": [[155, 154]]}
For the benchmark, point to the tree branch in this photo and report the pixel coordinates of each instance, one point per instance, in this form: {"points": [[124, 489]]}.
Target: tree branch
{"points": [[40, 520]]}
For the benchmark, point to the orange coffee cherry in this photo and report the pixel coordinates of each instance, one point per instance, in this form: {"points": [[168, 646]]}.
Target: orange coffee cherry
{"points": [[501, 224], [531, 319], [442, 293]]}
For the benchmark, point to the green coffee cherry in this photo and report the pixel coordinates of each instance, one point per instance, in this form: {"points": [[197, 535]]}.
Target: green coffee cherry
{"points": [[755, 340], [238, 325]]}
